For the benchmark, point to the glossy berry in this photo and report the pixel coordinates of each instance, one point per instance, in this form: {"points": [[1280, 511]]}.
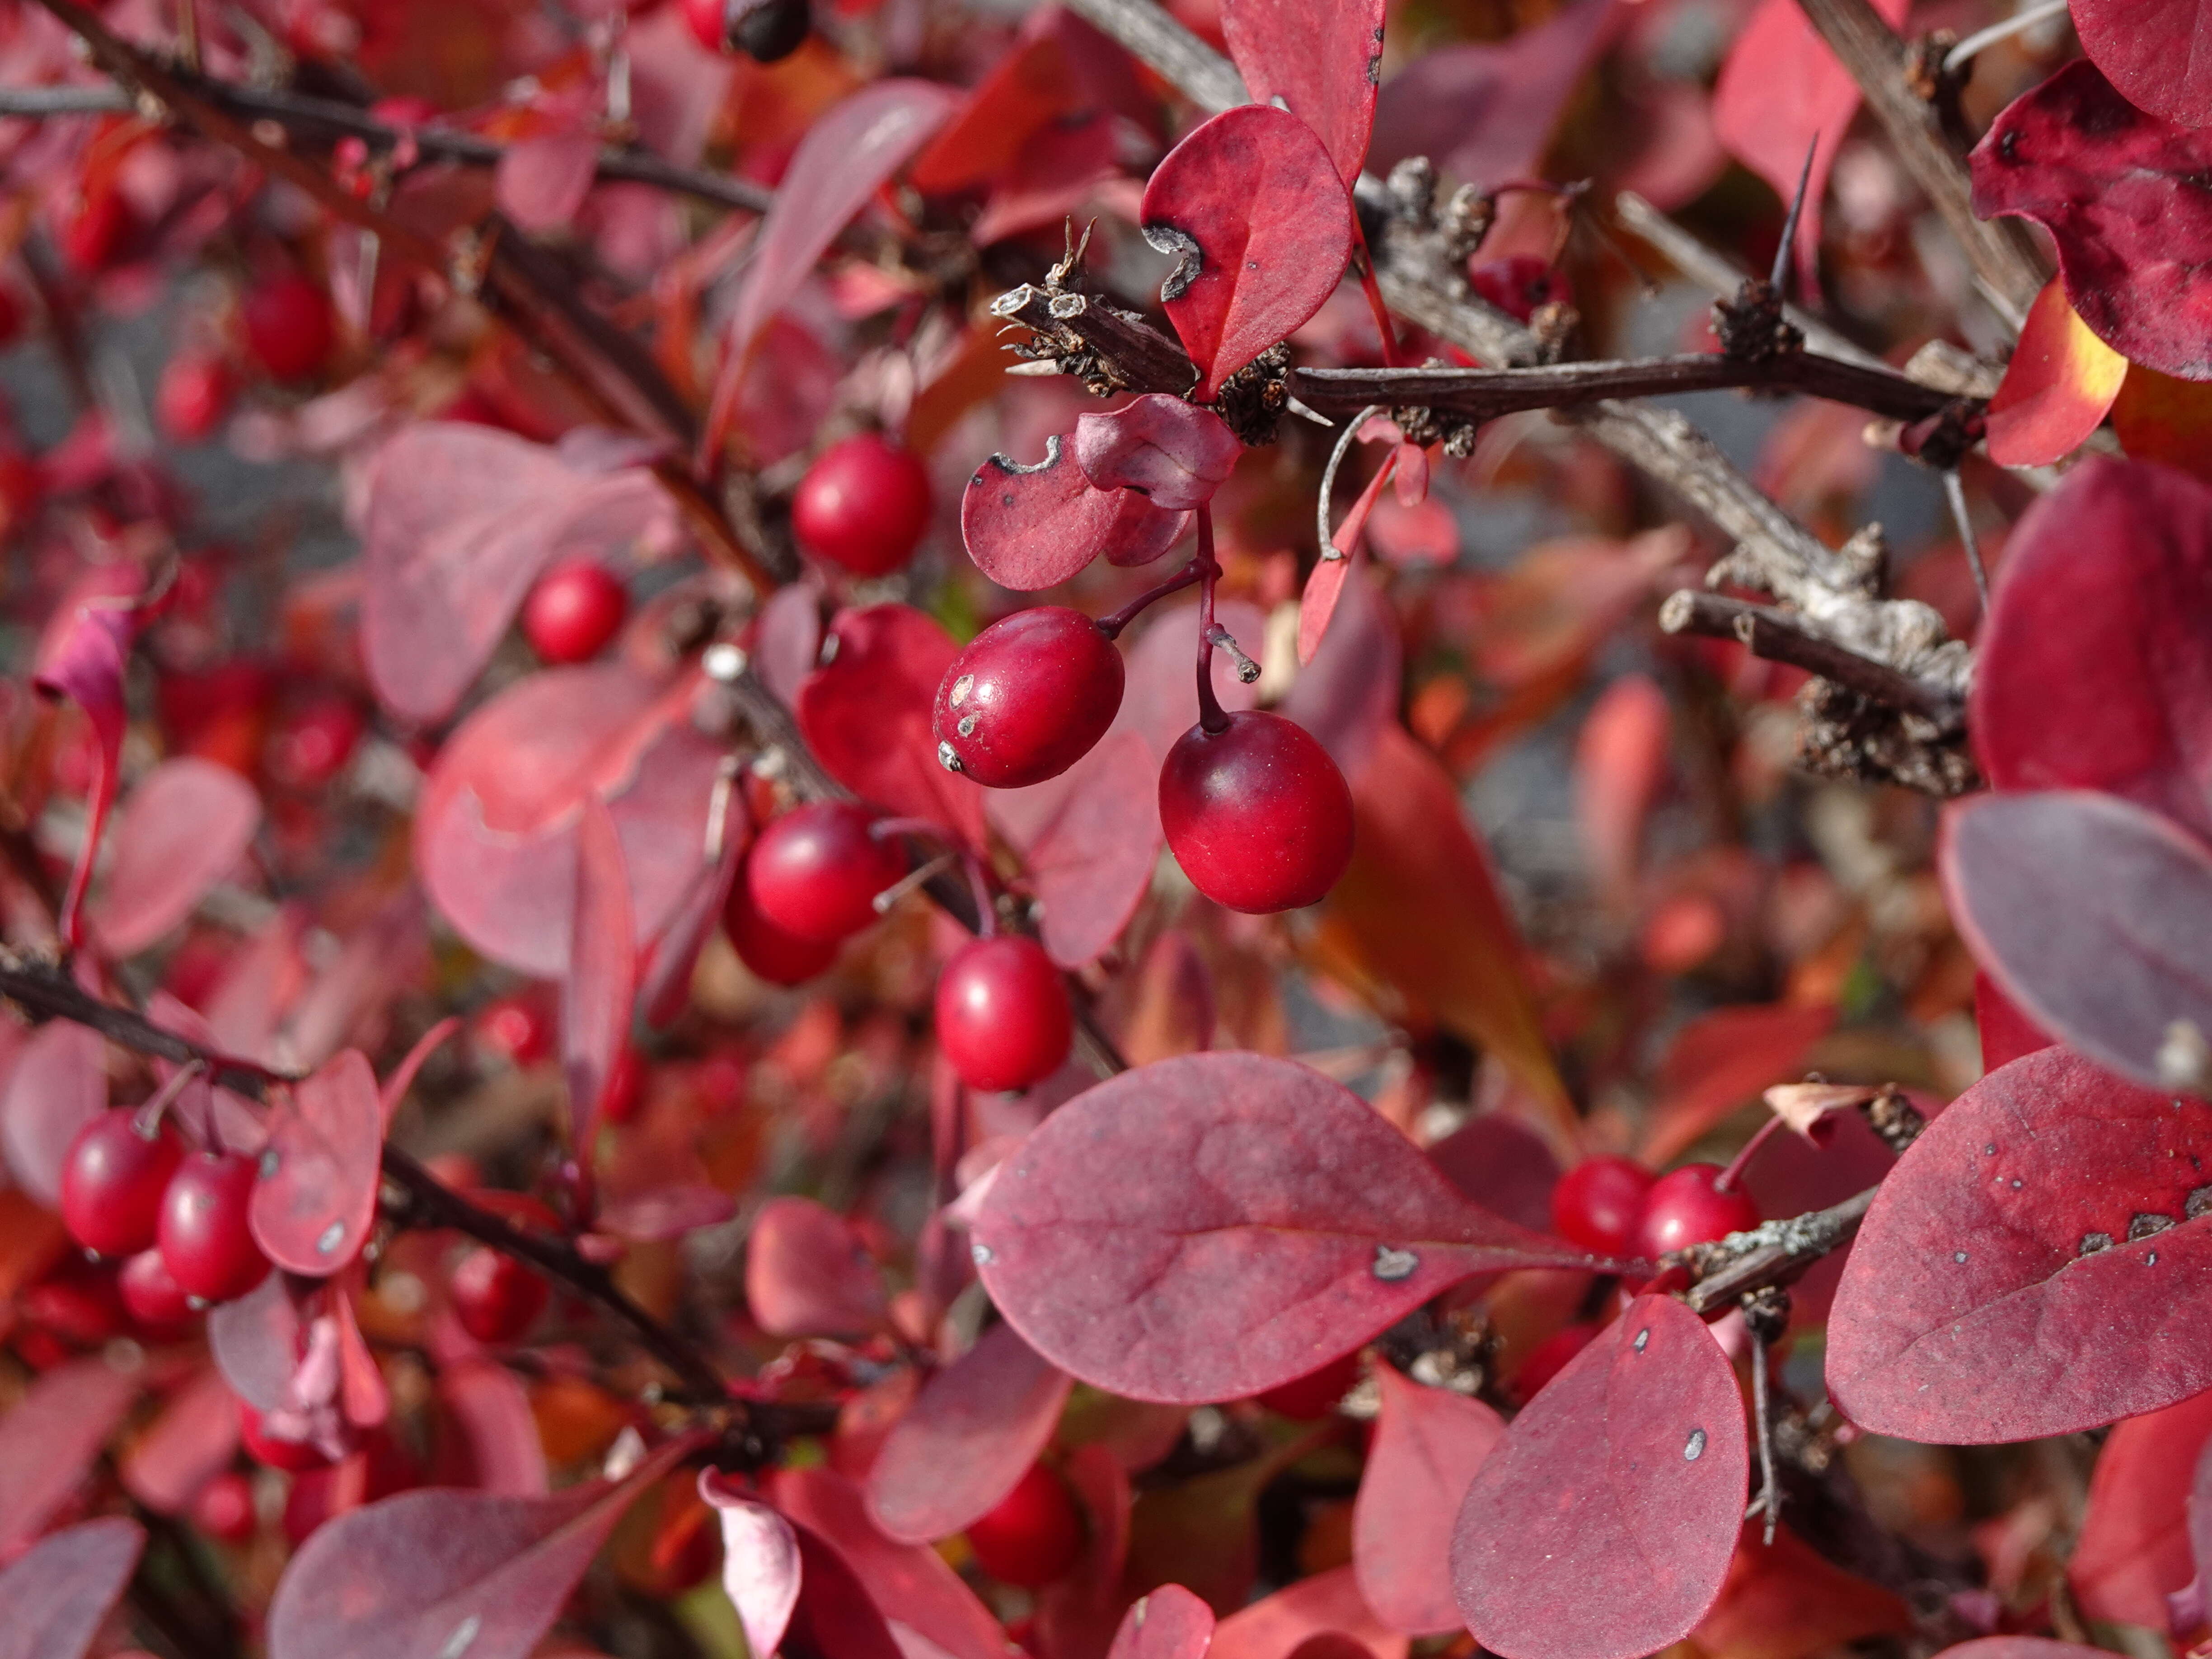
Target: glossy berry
{"points": [[193, 394], [205, 1240], [765, 30], [1599, 1203], [1685, 1208], [1028, 698], [863, 505], [152, 1296], [223, 1508], [1256, 814], [495, 1298], [1003, 1018], [312, 745], [289, 331], [816, 871], [112, 1179], [573, 611], [1034, 1536], [1309, 1398], [270, 1449], [770, 952], [517, 1028]]}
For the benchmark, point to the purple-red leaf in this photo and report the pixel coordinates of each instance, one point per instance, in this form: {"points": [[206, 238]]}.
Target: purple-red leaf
{"points": [[2152, 50], [1212, 1225], [440, 1571], [761, 1571], [1091, 839], [541, 182], [1173, 453], [602, 979], [316, 1200], [49, 1438], [187, 823], [1321, 1617], [2114, 965], [2124, 195], [1322, 59], [56, 1598], [195, 1437], [1602, 1525], [807, 1273], [2019, 1647], [1036, 526], [2025, 1267], [1170, 1623], [492, 1410], [1428, 1444], [967, 1439], [57, 1084], [1250, 206], [255, 1342]]}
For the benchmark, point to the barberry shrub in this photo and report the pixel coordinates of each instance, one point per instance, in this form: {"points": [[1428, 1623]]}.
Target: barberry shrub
{"points": [[911, 829]]}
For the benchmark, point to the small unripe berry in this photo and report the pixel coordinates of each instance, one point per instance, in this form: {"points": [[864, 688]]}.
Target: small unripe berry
{"points": [[112, 1180], [1029, 696], [573, 611], [863, 505], [816, 871], [1003, 1018], [1034, 1535], [1256, 814], [206, 1242], [193, 395], [1599, 1203]]}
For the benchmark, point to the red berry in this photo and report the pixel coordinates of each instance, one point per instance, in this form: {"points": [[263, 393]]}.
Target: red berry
{"points": [[405, 111], [1548, 1358], [205, 1240], [1034, 1536], [1309, 1398], [314, 744], [574, 610], [294, 1456], [770, 952], [863, 504], [289, 331], [1685, 1208], [153, 1297], [1028, 698], [1002, 1013], [1599, 1202], [76, 1303], [1256, 814], [112, 1180], [517, 1027], [223, 1508], [193, 395], [495, 1298], [92, 236], [816, 871]]}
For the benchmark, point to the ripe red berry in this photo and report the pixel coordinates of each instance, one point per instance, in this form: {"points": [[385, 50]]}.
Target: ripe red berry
{"points": [[816, 871], [1028, 698], [766, 30], [1256, 814], [205, 1240], [223, 1508], [1033, 1536], [495, 1298], [1002, 1013], [1309, 1398], [313, 744], [289, 331], [770, 952], [573, 611], [91, 237], [1685, 1208], [863, 504], [517, 1028], [153, 1297], [76, 1303], [294, 1457], [1548, 1358], [1599, 1203], [193, 395], [112, 1180]]}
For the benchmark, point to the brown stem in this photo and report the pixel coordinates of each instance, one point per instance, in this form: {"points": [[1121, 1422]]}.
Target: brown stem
{"points": [[1773, 1253], [1784, 636]]}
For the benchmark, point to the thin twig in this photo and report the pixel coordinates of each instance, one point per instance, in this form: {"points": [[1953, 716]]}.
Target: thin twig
{"points": [[1786, 636], [1954, 492], [1773, 1253]]}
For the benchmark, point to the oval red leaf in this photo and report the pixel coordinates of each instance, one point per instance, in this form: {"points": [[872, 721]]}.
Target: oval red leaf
{"points": [[1602, 1526], [761, 1563], [57, 1084], [1321, 1616], [49, 1438], [1212, 1225], [2151, 50], [1035, 526], [1323, 58], [194, 1437], [1428, 1444], [2024, 1267], [1173, 453], [1091, 839], [186, 825], [316, 1200], [1170, 1623], [57, 1595], [967, 1439], [808, 1274], [541, 182], [1251, 207], [602, 982]]}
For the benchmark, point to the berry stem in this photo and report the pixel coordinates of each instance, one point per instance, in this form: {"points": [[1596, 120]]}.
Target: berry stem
{"points": [[1729, 1179], [1393, 354], [1111, 626], [1211, 716]]}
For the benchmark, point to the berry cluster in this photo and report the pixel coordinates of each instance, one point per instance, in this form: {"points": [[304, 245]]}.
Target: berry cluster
{"points": [[1614, 1206]]}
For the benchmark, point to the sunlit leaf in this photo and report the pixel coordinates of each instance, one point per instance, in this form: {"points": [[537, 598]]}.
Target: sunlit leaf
{"points": [[2057, 388]]}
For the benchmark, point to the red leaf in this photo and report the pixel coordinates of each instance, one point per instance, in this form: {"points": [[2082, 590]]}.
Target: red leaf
{"points": [[2134, 1548], [1054, 175], [849, 152], [1602, 1526], [1783, 1600], [967, 1439], [2151, 51], [81, 657], [787, 643], [1317, 605], [666, 1212], [1323, 58], [666, 976], [2123, 195], [496, 833], [1251, 207], [194, 1438], [1033, 86], [1091, 840], [868, 716], [602, 981], [460, 520], [541, 183], [1503, 1164], [57, 1084], [808, 1274], [187, 823], [49, 1438], [1721, 1061], [1173, 453], [1079, 1614], [1979, 1304], [2112, 966], [1428, 1444], [761, 1566], [405, 1576], [1326, 1604], [255, 1342], [1620, 763], [2019, 1647], [1036, 526], [1212, 1225], [58, 1595], [2058, 389], [1170, 1623], [395, 1087], [2006, 1033], [1350, 689], [835, 1615], [506, 1455], [316, 1200]]}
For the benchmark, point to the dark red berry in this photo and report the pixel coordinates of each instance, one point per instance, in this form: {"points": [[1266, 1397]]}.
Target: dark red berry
{"points": [[1309, 1398], [205, 1241], [1003, 1018], [1599, 1203], [573, 611], [274, 1451], [289, 330], [1034, 1536], [863, 505], [1028, 698], [112, 1180], [495, 1298], [313, 745], [770, 952], [153, 1297], [76, 1303], [1685, 1208], [193, 395], [91, 238], [816, 871], [517, 1028], [1548, 1358], [1256, 814], [223, 1508]]}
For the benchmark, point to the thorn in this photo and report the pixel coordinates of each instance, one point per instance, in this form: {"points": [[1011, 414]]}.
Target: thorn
{"points": [[1779, 279], [1955, 493]]}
